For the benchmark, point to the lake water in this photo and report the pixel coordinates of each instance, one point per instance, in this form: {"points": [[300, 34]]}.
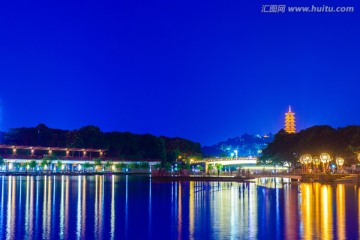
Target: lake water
{"points": [[138, 207]]}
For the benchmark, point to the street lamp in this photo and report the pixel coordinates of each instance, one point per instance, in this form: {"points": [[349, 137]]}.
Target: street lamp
{"points": [[316, 161], [340, 162], [325, 159], [305, 159]]}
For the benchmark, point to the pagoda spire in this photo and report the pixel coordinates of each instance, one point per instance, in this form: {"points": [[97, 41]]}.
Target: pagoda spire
{"points": [[290, 126]]}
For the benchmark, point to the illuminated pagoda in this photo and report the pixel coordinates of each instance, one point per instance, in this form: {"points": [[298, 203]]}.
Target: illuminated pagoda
{"points": [[290, 126]]}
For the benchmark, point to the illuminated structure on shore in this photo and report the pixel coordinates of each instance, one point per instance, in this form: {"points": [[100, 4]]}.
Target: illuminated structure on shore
{"points": [[290, 126], [56, 159]]}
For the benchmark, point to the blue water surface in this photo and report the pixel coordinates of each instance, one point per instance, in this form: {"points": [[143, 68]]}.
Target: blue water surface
{"points": [[139, 207]]}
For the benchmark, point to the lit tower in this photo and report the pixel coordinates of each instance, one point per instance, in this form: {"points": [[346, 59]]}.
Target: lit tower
{"points": [[290, 126]]}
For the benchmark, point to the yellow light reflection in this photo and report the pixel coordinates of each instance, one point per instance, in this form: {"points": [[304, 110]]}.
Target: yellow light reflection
{"points": [[99, 205], [66, 213], [179, 213], [326, 212], [62, 208], [10, 218], [49, 200], [112, 220], [83, 207], [316, 191], [96, 205], [340, 211], [306, 210], [44, 209], [27, 207], [78, 211], [191, 208], [290, 200]]}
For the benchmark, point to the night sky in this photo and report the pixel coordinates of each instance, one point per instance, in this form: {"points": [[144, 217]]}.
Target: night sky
{"points": [[203, 70]]}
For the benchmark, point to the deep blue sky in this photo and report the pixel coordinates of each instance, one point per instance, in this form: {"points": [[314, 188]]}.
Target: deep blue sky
{"points": [[204, 70]]}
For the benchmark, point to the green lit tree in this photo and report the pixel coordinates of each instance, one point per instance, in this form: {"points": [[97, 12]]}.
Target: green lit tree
{"points": [[121, 166], [87, 165], [48, 163], [168, 166], [2, 161], [97, 163], [32, 164], [210, 167], [219, 167], [24, 165], [157, 166], [16, 166], [44, 162], [144, 165], [108, 164], [59, 164], [134, 165]]}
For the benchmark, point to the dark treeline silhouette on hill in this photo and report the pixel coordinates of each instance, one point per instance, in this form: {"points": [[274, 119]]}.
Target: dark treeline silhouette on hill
{"points": [[344, 142], [118, 144]]}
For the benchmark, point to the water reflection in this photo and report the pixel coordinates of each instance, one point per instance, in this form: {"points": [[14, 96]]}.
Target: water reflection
{"points": [[99, 206], [62, 209], [79, 210], [117, 207], [179, 214], [340, 210], [47, 198], [10, 221], [112, 220], [2, 210], [150, 206], [191, 208], [326, 212], [291, 213]]}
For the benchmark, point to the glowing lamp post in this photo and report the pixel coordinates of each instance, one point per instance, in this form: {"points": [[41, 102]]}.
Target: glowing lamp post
{"points": [[302, 162], [305, 160], [316, 162], [340, 162], [325, 159]]}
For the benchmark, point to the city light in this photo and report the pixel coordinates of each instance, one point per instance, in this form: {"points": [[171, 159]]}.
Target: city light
{"points": [[340, 162], [305, 160], [325, 159]]}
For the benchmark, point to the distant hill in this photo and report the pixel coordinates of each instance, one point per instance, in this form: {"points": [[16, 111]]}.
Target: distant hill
{"points": [[245, 145]]}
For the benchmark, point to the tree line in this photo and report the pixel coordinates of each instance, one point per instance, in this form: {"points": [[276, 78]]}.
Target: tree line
{"points": [[124, 145], [343, 142]]}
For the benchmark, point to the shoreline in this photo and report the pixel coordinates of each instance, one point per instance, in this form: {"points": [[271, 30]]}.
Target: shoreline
{"points": [[161, 178], [202, 178], [307, 178], [70, 173]]}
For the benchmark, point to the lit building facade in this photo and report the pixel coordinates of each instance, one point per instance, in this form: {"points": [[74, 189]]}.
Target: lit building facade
{"points": [[290, 126]]}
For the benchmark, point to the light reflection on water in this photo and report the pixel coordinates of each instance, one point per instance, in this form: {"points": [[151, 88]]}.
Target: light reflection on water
{"points": [[133, 207]]}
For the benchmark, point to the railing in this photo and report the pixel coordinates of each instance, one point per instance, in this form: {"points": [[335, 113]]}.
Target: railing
{"points": [[37, 157]]}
